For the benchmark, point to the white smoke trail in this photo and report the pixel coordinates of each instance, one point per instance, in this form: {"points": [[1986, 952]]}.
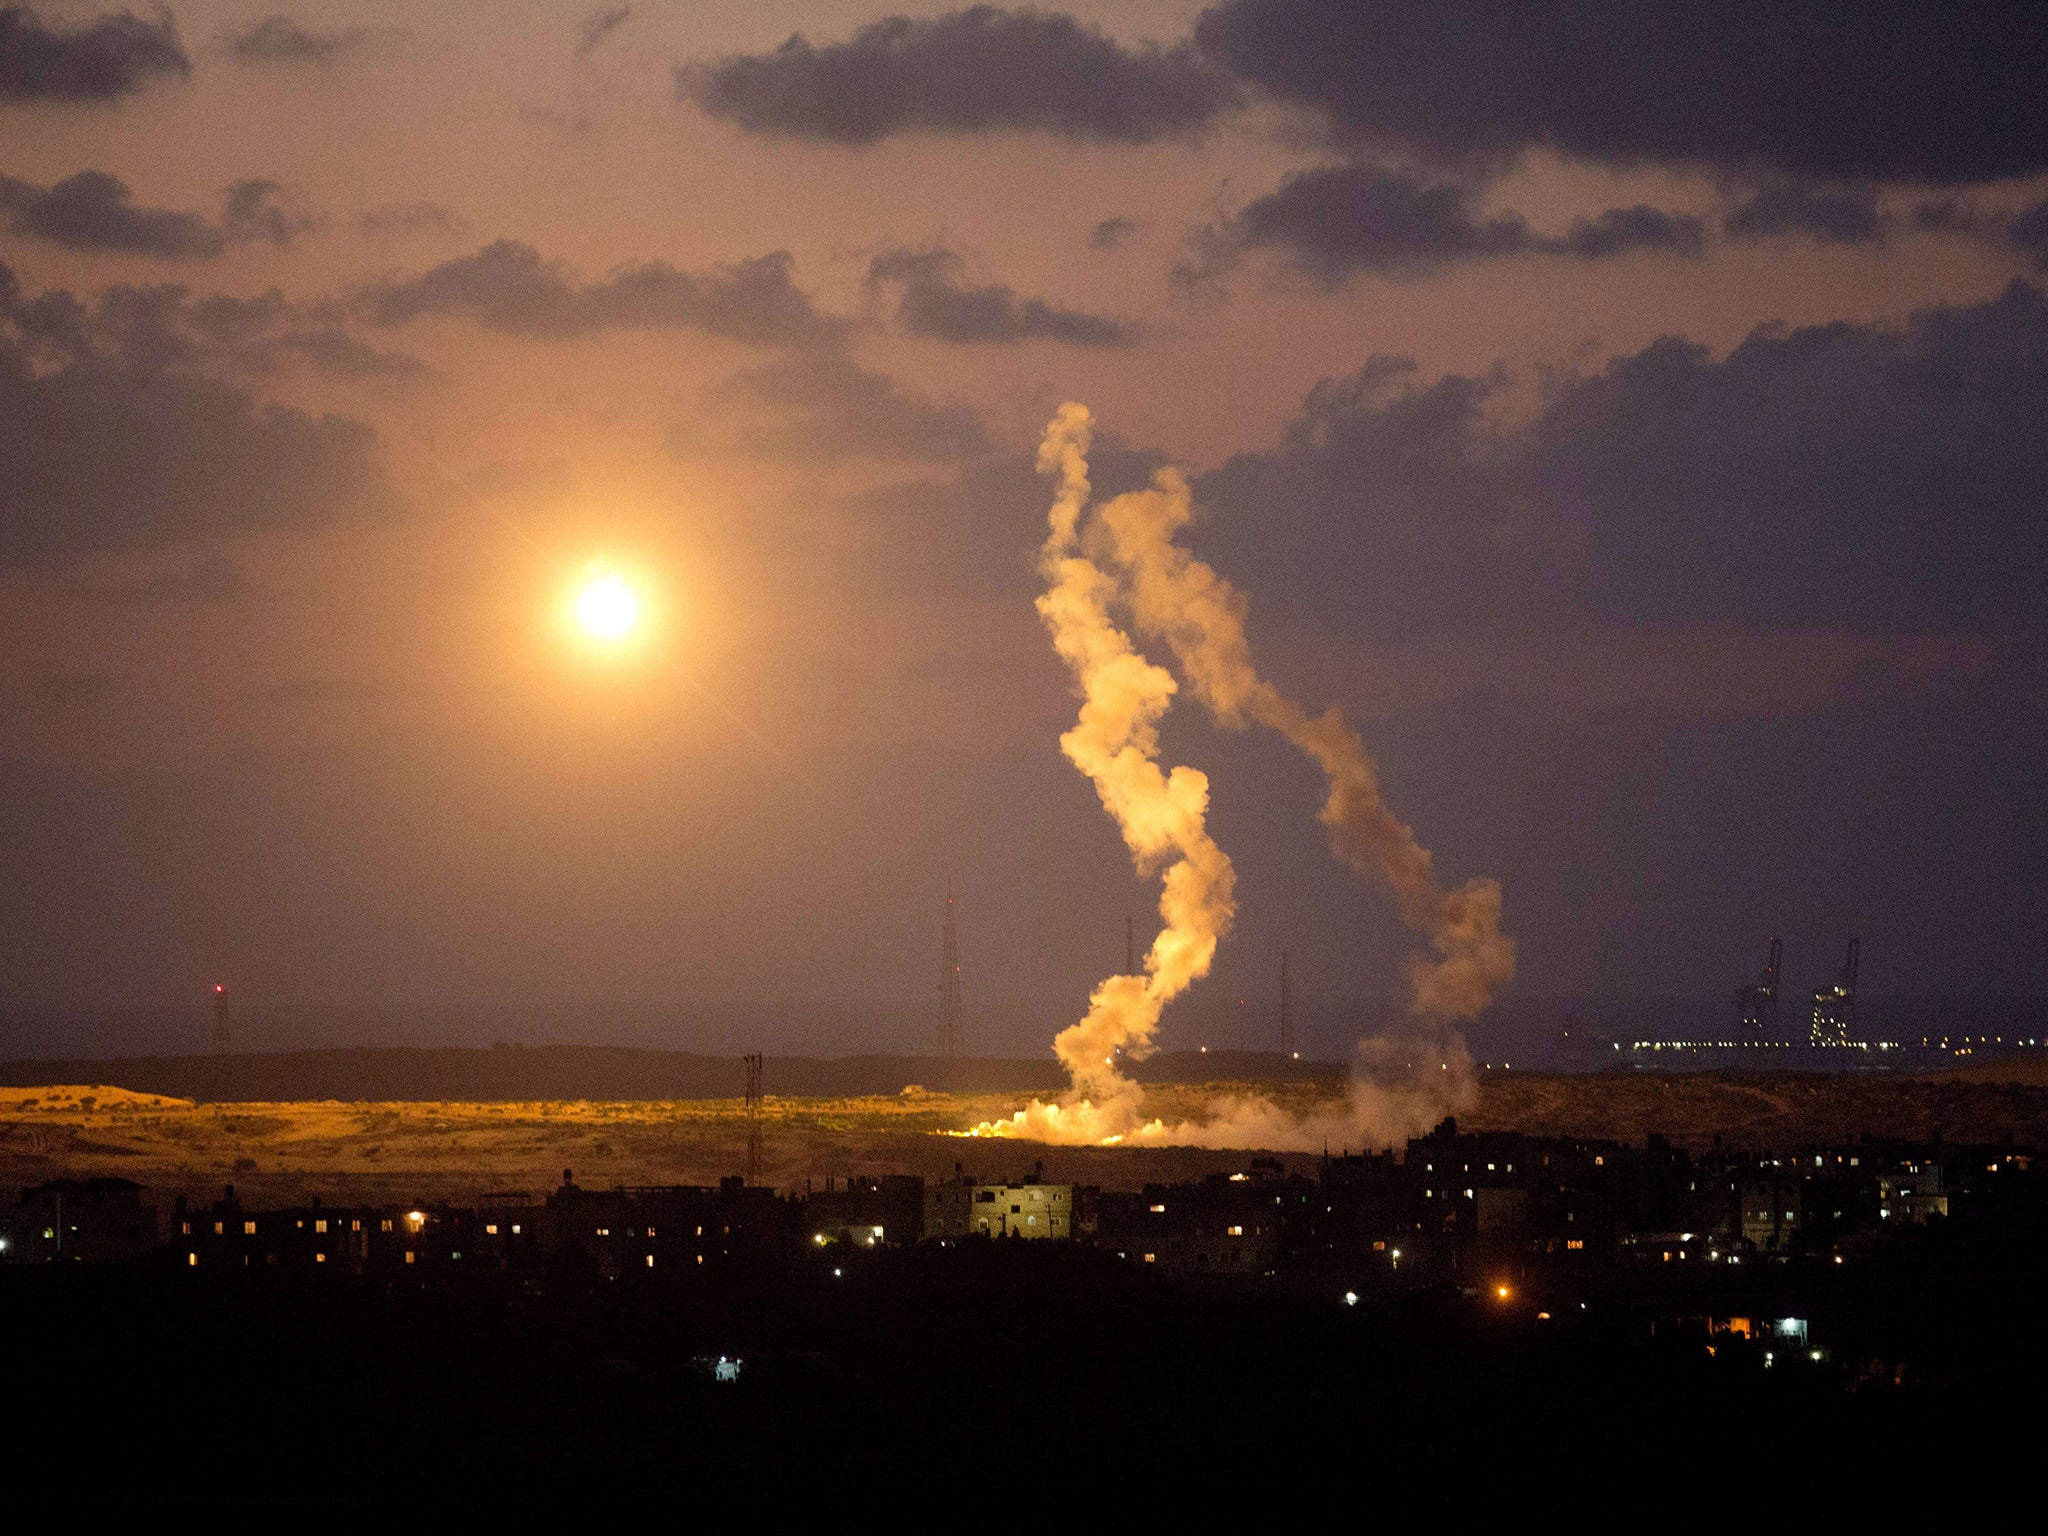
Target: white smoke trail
{"points": [[1400, 1085], [1199, 614], [1162, 816]]}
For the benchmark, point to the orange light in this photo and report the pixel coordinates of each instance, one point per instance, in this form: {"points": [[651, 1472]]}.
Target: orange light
{"points": [[1501, 1293]]}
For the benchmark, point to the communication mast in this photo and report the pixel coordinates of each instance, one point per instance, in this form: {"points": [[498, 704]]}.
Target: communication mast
{"points": [[949, 985], [220, 1019], [1286, 1007], [753, 1062]]}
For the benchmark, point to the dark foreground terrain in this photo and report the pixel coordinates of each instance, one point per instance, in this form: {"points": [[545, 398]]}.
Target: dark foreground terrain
{"points": [[1012, 1378]]}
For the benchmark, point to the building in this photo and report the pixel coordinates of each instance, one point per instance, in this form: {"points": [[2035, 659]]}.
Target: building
{"points": [[1030, 1209], [1229, 1224], [78, 1221], [867, 1212], [1911, 1191]]}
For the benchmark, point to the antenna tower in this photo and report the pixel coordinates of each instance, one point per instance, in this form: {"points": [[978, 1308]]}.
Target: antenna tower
{"points": [[949, 985], [1286, 1007], [753, 1061], [220, 1019]]}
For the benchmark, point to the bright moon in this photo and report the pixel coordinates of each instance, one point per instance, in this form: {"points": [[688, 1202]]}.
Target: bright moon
{"points": [[607, 608]]}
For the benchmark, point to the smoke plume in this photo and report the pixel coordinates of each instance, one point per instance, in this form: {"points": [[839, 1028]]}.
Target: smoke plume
{"points": [[1399, 1085], [1184, 602], [1162, 815]]}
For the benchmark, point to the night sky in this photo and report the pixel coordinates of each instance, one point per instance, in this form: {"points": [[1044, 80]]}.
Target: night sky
{"points": [[1634, 417]]}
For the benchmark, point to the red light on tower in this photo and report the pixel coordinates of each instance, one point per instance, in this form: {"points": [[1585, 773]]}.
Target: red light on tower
{"points": [[220, 1017]]}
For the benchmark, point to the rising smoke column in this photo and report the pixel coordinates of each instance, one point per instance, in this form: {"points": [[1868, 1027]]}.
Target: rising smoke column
{"points": [[1199, 614], [1162, 815]]}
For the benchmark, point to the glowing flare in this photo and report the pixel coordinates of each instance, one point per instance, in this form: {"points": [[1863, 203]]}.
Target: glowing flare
{"points": [[607, 608]]}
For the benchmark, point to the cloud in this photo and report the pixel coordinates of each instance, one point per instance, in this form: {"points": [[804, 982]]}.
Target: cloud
{"points": [[1941, 95], [598, 26], [508, 286], [1112, 234], [1785, 206], [111, 452], [112, 56], [1868, 479], [1337, 220], [94, 211], [162, 327], [1640, 228], [931, 301], [2029, 231], [280, 40], [823, 406], [252, 210], [973, 71]]}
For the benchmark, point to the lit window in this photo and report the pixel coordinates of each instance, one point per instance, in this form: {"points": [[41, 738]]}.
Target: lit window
{"points": [[1150, 1257], [515, 1229], [1574, 1243], [319, 1258], [491, 1228], [218, 1228], [191, 1258], [387, 1224], [355, 1226], [408, 1256], [650, 1261], [650, 1231], [185, 1227], [320, 1226], [1235, 1232], [1158, 1209], [249, 1228]]}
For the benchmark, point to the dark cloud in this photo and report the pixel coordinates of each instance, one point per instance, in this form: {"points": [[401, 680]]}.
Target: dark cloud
{"points": [[1783, 206], [94, 211], [410, 219], [1843, 476], [1112, 234], [339, 355], [112, 56], [2029, 231], [1812, 88], [598, 26], [932, 301], [280, 40], [823, 406], [163, 327], [970, 71], [1640, 228], [1336, 220], [255, 210], [508, 286], [106, 451]]}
